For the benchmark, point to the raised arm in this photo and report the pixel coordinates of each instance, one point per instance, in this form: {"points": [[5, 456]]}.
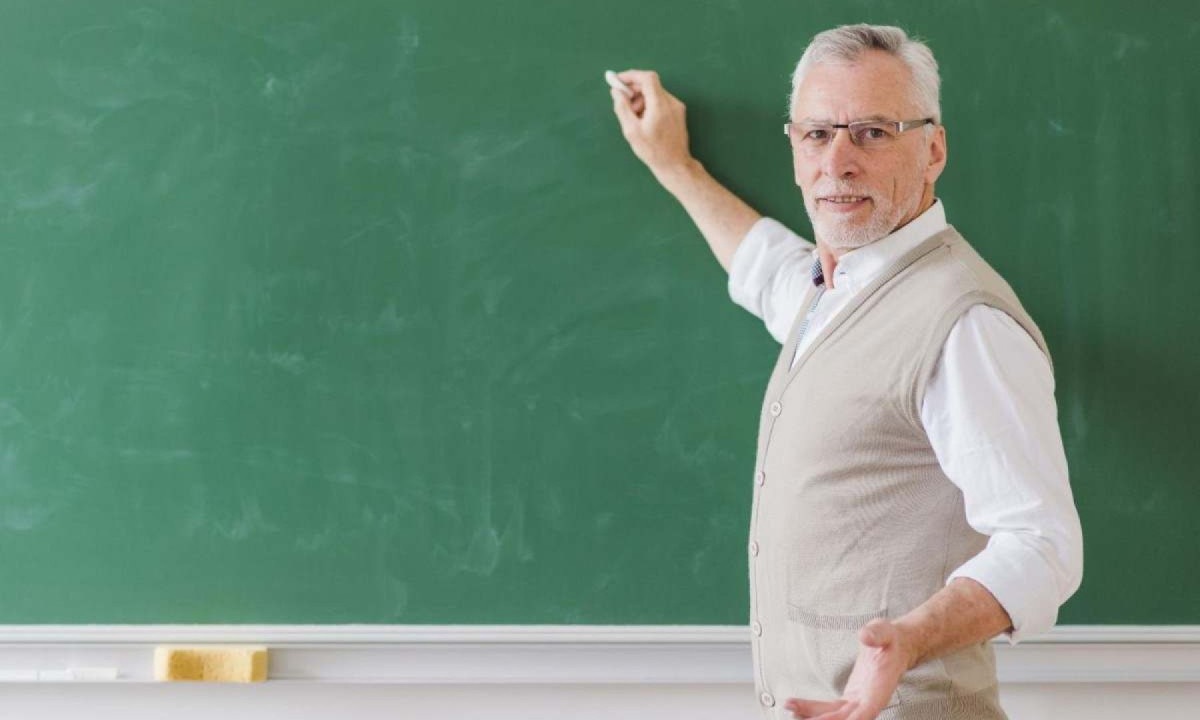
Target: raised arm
{"points": [[653, 122]]}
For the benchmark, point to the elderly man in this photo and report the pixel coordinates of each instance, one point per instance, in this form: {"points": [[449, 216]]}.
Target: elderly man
{"points": [[910, 491]]}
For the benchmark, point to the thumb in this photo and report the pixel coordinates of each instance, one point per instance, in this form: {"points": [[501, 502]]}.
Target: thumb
{"points": [[877, 633]]}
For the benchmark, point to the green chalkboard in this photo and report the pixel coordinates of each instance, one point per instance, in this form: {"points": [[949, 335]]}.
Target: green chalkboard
{"points": [[317, 312]]}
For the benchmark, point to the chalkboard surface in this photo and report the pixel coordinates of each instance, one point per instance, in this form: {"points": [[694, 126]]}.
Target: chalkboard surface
{"points": [[318, 312]]}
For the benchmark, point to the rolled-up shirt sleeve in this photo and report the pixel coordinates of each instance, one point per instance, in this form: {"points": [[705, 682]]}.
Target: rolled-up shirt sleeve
{"points": [[768, 273], [990, 414]]}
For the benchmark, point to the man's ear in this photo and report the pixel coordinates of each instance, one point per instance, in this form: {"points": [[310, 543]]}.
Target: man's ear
{"points": [[937, 154]]}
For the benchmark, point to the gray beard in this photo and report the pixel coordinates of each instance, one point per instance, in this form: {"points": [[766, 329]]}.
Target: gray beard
{"points": [[843, 237], [844, 240]]}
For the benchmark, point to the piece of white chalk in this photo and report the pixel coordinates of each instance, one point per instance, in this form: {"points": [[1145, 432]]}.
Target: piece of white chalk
{"points": [[78, 675], [55, 675], [94, 674], [86, 674], [18, 675], [614, 81]]}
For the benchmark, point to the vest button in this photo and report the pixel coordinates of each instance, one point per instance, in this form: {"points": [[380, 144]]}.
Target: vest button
{"points": [[754, 548], [775, 409], [760, 477], [767, 699], [756, 628]]}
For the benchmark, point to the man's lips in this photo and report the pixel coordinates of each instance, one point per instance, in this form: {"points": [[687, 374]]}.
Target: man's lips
{"points": [[843, 203]]}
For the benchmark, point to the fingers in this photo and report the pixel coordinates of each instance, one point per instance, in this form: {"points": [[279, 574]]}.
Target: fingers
{"points": [[640, 79], [844, 711], [637, 103], [647, 83], [863, 712], [648, 92], [625, 113], [812, 708]]}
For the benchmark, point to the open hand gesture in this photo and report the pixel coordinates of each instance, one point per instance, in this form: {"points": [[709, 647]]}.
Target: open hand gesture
{"points": [[882, 659]]}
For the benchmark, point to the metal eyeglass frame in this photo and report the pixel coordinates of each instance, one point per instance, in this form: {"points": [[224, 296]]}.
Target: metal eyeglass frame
{"points": [[902, 126]]}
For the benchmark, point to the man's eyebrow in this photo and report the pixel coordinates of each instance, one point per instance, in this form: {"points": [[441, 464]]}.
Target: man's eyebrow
{"points": [[823, 121]]}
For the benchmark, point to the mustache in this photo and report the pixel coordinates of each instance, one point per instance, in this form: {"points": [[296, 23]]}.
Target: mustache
{"points": [[830, 190]]}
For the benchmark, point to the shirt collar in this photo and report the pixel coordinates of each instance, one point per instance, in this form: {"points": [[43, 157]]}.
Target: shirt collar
{"points": [[859, 267]]}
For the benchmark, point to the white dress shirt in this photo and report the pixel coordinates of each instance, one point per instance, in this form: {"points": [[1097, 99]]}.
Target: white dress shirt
{"points": [[989, 412]]}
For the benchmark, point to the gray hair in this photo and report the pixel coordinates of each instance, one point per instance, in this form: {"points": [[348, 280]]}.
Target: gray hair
{"points": [[848, 42]]}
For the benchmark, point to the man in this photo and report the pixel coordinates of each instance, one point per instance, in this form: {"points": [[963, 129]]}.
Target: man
{"points": [[911, 499]]}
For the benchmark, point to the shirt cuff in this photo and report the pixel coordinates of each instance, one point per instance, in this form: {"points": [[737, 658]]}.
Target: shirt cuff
{"points": [[756, 260], [1016, 572]]}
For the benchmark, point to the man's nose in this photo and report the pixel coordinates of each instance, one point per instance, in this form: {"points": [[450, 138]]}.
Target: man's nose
{"points": [[842, 156]]}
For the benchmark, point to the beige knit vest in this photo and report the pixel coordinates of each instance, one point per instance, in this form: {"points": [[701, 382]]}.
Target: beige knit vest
{"points": [[853, 518]]}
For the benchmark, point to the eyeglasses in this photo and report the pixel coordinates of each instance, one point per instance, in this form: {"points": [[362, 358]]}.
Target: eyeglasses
{"points": [[813, 137]]}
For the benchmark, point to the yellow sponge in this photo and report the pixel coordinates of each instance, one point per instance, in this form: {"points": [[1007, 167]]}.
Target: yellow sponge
{"points": [[211, 664]]}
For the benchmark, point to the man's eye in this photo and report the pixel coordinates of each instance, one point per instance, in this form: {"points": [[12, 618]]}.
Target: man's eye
{"points": [[873, 133], [818, 134]]}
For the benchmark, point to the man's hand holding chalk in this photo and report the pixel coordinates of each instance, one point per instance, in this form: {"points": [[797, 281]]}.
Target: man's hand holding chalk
{"points": [[652, 120], [636, 100], [615, 82]]}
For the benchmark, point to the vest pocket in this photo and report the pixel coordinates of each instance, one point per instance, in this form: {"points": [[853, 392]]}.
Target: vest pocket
{"points": [[823, 648]]}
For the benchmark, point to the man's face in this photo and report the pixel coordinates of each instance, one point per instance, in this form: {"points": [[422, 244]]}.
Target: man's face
{"points": [[855, 196]]}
